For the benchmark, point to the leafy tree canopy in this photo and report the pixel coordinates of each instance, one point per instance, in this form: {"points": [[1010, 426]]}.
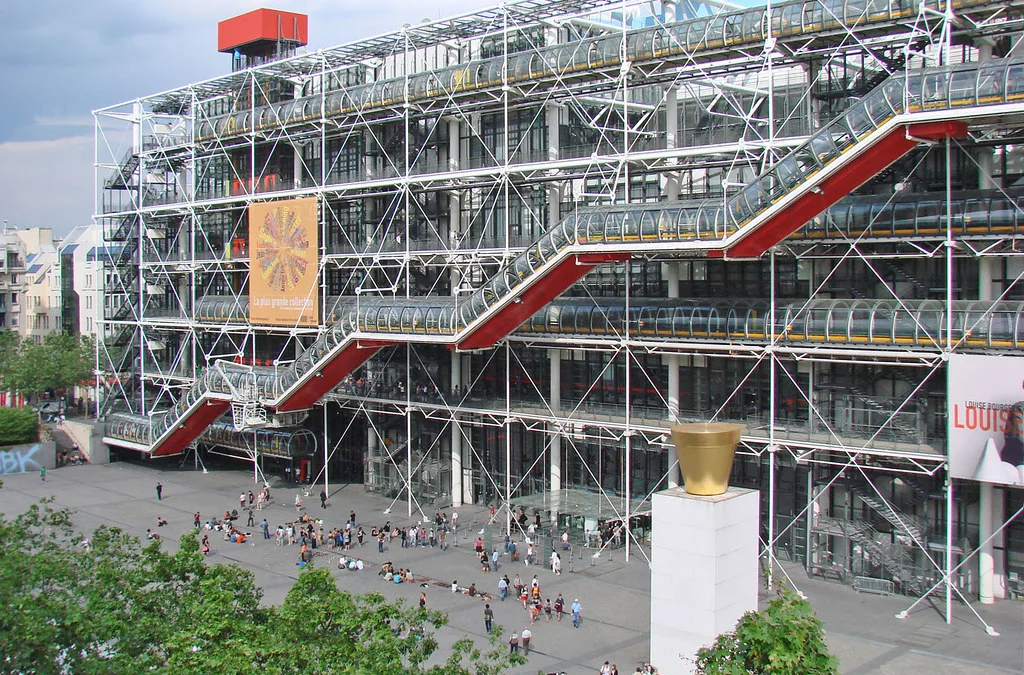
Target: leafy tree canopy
{"points": [[106, 606], [18, 425], [786, 638], [61, 361]]}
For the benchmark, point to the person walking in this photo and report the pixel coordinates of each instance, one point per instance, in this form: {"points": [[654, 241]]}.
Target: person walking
{"points": [[606, 669], [241, 501], [527, 636], [42, 474], [577, 613], [196, 520], [488, 618], [323, 499], [503, 588], [513, 643], [494, 559], [251, 521], [265, 526], [423, 600], [252, 498], [380, 542], [159, 492], [547, 611], [559, 606]]}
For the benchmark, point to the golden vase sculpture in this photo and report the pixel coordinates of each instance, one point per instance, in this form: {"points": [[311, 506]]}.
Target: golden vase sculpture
{"points": [[706, 451]]}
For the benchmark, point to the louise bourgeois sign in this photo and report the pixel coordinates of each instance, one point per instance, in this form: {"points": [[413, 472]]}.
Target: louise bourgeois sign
{"points": [[986, 418]]}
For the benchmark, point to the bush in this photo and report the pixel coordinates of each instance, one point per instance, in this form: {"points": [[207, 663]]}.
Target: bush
{"points": [[784, 639], [18, 425]]}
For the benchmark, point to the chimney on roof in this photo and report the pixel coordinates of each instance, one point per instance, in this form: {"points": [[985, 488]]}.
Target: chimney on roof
{"points": [[261, 36]]}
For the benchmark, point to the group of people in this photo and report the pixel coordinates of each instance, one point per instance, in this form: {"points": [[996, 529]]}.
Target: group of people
{"points": [[256, 501], [399, 576], [295, 533]]}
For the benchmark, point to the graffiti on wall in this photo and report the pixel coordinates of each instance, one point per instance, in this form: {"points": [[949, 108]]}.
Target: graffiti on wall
{"points": [[19, 460]]}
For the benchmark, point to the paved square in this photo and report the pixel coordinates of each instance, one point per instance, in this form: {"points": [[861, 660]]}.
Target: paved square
{"points": [[614, 593]]}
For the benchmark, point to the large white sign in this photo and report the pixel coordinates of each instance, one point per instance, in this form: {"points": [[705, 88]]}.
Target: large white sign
{"points": [[986, 418]]}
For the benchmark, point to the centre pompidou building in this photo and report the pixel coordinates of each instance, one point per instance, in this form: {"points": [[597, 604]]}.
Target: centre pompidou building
{"points": [[491, 259]]}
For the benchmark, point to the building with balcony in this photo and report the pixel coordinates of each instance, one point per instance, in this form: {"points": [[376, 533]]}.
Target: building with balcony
{"points": [[40, 288], [511, 248]]}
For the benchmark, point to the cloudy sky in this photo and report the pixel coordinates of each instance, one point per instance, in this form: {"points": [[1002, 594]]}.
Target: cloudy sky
{"points": [[61, 59]]}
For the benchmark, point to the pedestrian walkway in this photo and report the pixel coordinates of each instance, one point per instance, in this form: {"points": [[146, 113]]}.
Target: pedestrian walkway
{"points": [[862, 629]]}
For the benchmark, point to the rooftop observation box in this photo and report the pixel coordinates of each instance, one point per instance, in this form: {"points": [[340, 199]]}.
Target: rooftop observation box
{"points": [[263, 34]]}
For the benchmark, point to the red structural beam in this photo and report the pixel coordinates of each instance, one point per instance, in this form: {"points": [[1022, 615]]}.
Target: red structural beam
{"points": [[189, 429], [512, 315], [848, 178], [330, 374]]}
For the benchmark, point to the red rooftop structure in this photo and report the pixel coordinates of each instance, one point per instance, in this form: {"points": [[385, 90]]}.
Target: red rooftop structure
{"points": [[262, 35]]}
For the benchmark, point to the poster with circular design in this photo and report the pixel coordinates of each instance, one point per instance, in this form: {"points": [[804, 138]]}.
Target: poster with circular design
{"points": [[284, 263]]}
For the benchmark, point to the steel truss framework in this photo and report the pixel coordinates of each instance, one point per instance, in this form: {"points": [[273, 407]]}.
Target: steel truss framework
{"points": [[428, 185]]}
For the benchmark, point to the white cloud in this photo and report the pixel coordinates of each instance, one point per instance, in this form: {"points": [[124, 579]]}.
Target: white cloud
{"points": [[47, 183], [62, 120]]}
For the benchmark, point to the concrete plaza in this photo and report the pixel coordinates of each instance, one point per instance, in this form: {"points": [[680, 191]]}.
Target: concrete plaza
{"points": [[614, 593]]}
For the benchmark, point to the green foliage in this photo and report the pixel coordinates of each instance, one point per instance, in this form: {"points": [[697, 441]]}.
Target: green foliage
{"points": [[61, 361], [111, 608], [786, 638], [18, 425], [10, 343]]}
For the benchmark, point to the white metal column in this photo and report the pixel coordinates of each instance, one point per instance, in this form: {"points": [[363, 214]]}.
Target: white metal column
{"points": [[671, 141], [456, 477], [555, 395], [672, 364]]}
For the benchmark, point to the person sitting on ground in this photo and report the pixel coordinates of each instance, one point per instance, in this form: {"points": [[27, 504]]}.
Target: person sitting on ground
{"points": [[150, 534], [160, 522], [227, 515], [356, 564], [472, 590], [455, 586]]}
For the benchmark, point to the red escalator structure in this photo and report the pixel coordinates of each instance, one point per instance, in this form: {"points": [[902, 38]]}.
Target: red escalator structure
{"points": [[900, 114]]}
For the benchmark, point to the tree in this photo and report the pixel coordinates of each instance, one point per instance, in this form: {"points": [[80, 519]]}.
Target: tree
{"points": [[786, 638], [18, 426], [61, 361], [10, 343], [106, 606]]}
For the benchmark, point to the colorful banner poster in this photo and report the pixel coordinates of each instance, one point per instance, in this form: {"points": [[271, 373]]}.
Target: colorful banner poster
{"points": [[283, 265], [986, 418]]}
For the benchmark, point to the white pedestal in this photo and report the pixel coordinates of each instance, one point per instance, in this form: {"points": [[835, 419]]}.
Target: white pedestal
{"points": [[704, 555]]}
